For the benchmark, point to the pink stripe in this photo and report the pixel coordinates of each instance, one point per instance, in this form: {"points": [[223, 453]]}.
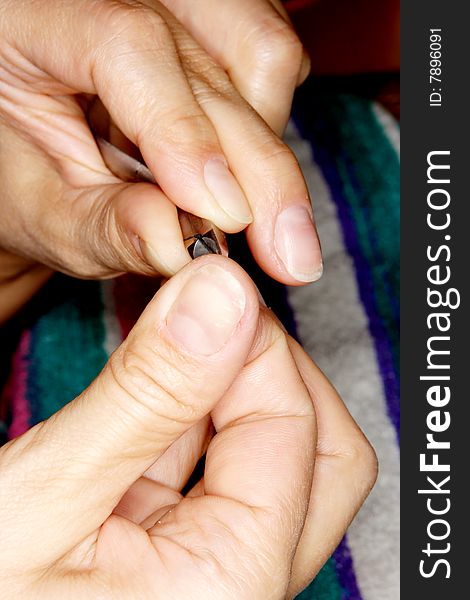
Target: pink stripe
{"points": [[16, 388]]}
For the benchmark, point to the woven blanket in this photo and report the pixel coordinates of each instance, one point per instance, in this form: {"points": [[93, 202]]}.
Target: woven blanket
{"points": [[348, 322]]}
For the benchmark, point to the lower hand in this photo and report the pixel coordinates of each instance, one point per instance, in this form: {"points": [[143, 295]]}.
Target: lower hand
{"points": [[90, 500]]}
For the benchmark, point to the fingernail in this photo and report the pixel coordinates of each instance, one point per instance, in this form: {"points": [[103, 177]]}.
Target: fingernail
{"points": [[176, 257], [207, 311], [226, 191], [297, 245]]}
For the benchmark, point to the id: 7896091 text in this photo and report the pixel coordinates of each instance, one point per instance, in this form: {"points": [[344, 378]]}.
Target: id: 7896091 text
{"points": [[435, 67]]}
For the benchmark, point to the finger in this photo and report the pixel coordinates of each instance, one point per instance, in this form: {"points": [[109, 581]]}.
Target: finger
{"points": [[161, 483], [143, 499], [257, 45], [197, 489], [282, 237], [345, 471], [258, 469], [306, 63], [262, 454], [179, 359], [126, 54], [175, 466]]}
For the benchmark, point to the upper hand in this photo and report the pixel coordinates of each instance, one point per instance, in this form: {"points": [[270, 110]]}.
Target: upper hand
{"points": [[209, 151]]}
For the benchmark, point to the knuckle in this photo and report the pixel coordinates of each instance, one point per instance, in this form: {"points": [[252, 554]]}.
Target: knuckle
{"points": [[268, 336], [188, 132], [131, 20], [212, 84], [156, 385], [371, 465], [125, 30], [364, 459], [206, 76], [277, 47], [183, 125], [275, 158], [282, 157]]}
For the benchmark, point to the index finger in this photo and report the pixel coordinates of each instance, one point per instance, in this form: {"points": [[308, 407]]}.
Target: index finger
{"points": [[345, 472], [258, 471], [263, 452]]}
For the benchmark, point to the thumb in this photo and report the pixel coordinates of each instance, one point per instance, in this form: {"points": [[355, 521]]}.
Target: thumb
{"points": [[114, 228], [180, 358]]}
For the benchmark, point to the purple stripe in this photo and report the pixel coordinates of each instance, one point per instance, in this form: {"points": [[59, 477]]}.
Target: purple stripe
{"points": [[345, 571]]}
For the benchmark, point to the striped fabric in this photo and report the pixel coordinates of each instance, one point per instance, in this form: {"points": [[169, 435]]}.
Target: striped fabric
{"points": [[348, 321]]}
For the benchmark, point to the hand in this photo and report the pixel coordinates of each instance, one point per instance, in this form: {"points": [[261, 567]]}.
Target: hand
{"points": [[209, 151], [90, 500]]}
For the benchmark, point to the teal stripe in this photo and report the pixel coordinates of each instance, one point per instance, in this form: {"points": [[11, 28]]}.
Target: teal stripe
{"points": [[325, 586], [3, 432], [67, 346]]}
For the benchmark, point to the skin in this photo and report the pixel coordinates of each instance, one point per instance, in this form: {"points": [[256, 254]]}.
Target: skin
{"points": [[188, 96], [255, 43], [90, 500]]}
